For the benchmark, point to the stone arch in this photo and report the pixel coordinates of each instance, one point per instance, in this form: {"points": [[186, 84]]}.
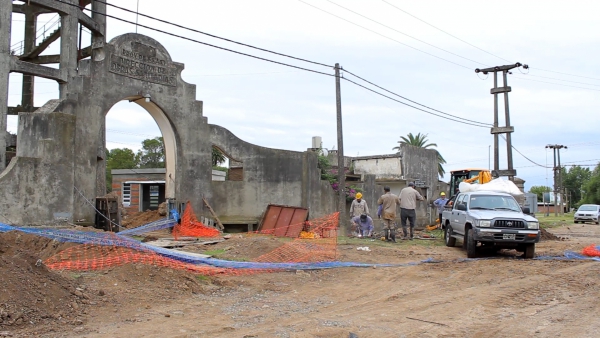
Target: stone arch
{"points": [[65, 138], [170, 140]]}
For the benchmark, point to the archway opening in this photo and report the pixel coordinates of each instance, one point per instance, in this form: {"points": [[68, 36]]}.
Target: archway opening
{"points": [[140, 154]]}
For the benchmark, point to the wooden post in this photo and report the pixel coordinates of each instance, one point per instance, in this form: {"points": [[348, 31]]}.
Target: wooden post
{"points": [[340, 142], [212, 212]]}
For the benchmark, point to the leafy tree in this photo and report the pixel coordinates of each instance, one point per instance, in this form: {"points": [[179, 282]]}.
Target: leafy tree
{"points": [[152, 154], [591, 189], [217, 157], [123, 158], [573, 181], [421, 142], [539, 190]]}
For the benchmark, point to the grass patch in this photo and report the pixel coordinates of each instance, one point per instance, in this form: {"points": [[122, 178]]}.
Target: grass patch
{"points": [[215, 252], [203, 278], [552, 221]]}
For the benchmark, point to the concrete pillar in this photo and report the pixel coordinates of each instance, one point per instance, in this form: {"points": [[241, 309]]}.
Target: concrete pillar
{"points": [[68, 46], [99, 40], [28, 45], [5, 27]]}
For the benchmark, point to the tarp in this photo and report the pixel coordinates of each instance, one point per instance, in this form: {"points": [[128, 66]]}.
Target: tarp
{"points": [[496, 185]]}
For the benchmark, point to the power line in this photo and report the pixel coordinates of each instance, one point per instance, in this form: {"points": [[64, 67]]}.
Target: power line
{"points": [[211, 35], [373, 84], [483, 50], [417, 108], [553, 78], [551, 71], [558, 84], [443, 31], [410, 36], [197, 41], [387, 37]]}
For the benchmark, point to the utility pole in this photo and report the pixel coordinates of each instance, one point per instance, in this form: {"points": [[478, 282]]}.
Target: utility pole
{"points": [[340, 144], [558, 189], [507, 129]]}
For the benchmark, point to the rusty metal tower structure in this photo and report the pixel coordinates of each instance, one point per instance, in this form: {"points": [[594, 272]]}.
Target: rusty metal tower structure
{"points": [[26, 57], [507, 129]]}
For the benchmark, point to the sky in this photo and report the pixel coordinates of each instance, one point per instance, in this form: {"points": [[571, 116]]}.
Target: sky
{"points": [[425, 51]]}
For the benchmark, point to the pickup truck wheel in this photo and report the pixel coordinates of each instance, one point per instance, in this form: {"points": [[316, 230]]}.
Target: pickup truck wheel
{"points": [[471, 244], [529, 251], [450, 241]]}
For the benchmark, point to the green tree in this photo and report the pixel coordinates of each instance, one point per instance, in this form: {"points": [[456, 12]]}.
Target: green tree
{"points": [[591, 189], [218, 157], [152, 154], [539, 190], [420, 140], [123, 158], [573, 181]]}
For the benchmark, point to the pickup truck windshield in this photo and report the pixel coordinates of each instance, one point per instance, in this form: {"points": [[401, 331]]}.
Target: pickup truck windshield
{"points": [[493, 202]]}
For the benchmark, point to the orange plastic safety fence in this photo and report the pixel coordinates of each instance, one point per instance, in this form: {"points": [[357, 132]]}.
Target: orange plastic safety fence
{"points": [[591, 251], [112, 250], [90, 257], [190, 226], [303, 251]]}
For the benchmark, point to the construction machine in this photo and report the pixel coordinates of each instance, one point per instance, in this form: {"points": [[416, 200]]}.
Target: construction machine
{"points": [[480, 176]]}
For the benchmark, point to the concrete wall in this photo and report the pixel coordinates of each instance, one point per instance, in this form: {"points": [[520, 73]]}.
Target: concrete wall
{"points": [[384, 167], [37, 186], [270, 176]]}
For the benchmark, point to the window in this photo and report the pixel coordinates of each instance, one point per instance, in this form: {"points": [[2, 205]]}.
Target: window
{"points": [[126, 192]]}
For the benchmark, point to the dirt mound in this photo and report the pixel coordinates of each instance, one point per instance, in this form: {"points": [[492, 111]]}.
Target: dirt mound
{"points": [[140, 218], [548, 236], [31, 294]]}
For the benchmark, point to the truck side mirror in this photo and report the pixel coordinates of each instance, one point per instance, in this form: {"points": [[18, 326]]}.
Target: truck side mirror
{"points": [[462, 207], [526, 210]]}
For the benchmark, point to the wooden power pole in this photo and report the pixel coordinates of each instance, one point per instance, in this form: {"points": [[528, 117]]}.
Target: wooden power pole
{"points": [[340, 144]]}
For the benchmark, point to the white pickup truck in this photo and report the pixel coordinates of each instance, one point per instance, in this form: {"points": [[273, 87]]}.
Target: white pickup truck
{"points": [[490, 219]]}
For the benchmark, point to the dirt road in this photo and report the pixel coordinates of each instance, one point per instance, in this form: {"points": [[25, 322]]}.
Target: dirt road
{"points": [[498, 296]]}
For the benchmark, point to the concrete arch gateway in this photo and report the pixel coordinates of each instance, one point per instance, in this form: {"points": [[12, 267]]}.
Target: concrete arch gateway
{"points": [[66, 137], [59, 168]]}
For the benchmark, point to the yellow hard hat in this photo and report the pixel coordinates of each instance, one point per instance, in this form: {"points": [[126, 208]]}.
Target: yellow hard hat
{"points": [[358, 195], [443, 193]]}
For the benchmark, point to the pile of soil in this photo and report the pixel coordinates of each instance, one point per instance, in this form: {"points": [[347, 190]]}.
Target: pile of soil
{"points": [[548, 236], [32, 295], [140, 218]]}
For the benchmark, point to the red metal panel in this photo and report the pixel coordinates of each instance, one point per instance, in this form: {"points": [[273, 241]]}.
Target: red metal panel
{"points": [[297, 222], [283, 220], [270, 218]]}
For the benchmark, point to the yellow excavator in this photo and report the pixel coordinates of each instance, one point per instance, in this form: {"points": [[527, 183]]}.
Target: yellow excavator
{"points": [[480, 176]]}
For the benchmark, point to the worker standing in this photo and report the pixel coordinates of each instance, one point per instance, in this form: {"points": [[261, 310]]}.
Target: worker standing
{"points": [[359, 206], [389, 203], [408, 203], [440, 203]]}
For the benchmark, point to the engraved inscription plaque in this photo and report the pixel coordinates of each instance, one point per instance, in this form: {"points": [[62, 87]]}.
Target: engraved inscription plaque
{"points": [[142, 62]]}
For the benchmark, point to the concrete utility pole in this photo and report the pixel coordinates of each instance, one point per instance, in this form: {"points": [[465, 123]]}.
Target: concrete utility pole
{"points": [[507, 129], [558, 188], [340, 143]]}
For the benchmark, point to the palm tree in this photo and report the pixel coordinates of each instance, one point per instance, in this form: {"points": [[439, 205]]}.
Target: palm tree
{"points": [[421, 142]]}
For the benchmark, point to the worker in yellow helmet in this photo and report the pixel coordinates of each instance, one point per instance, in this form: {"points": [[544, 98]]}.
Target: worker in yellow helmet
{"points": [[440, 203], [358, 206]]}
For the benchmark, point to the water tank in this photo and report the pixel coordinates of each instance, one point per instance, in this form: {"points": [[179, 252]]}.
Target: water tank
{"points": [[317, 142]]}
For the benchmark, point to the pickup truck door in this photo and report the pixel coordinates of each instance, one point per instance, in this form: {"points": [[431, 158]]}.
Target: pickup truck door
{"points": [[459, 217]]}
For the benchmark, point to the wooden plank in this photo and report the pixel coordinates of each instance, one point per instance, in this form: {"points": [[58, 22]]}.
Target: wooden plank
{"points": [[189, 253], [171, 244], [212, 212]]}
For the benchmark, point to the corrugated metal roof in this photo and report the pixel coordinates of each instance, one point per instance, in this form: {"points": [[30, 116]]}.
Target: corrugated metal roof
{"points": [[283, 220]]}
